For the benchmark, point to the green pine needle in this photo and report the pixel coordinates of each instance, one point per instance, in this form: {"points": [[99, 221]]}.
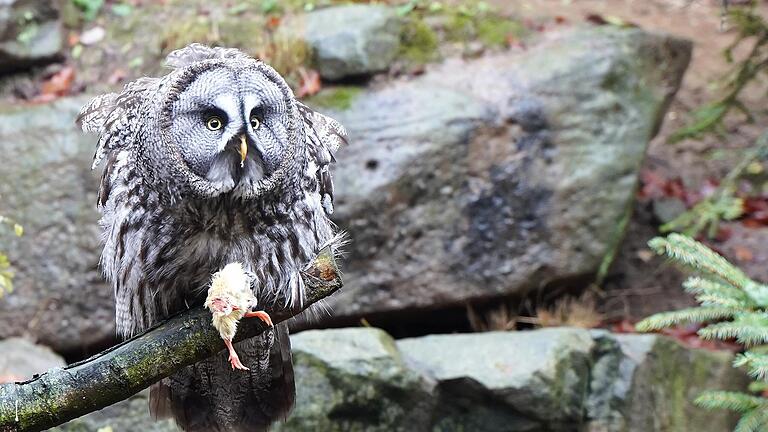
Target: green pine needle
{"points": [[732, 401], [717, 293], [757, 364], [758, 386], [753, 421], [697, 256], [690, 315], [746, 332]]}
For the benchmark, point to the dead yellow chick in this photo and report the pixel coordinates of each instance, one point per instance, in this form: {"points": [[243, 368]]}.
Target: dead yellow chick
{"points": [[230, 299]]}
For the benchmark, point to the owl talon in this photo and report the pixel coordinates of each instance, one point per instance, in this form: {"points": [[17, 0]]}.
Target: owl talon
{"points": [[260, 315]]}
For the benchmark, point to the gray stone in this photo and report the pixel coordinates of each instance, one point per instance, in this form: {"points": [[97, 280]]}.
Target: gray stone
{"points": [[490, 381], [21, 359], [496, 176], [648, 382], [130, 415], [351, 40], [558, 379], [667, 209], [30, 33], [355, 380], [59, 296]]}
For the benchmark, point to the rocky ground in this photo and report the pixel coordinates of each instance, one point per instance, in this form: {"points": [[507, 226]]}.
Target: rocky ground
{"points": [[362, 379], [493, 165]]}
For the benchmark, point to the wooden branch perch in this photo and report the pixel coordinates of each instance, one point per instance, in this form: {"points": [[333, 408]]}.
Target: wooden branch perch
{"points": [[62, 394]]}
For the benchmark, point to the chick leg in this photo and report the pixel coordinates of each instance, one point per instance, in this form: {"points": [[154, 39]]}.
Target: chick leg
{"points": [[260, 315], [234, 359]]}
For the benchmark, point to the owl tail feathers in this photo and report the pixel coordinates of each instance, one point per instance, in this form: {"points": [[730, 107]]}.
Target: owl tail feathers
{"points": [[210, 396]]}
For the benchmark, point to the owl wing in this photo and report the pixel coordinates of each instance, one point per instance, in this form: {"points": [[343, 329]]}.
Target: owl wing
{"points": [[113, 117], [324, 136]]}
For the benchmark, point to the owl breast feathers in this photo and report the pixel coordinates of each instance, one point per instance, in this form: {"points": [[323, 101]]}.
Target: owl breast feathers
{"points": [[215, 162]]}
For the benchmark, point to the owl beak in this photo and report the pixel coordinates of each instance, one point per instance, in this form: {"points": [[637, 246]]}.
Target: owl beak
{"points": [[243, 150]]}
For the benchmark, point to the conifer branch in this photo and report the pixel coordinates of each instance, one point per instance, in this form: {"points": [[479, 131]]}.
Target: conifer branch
{"points": [[732, 401], [740, 305], [684, 316]]}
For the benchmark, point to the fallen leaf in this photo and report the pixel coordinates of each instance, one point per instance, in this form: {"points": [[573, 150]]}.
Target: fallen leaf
{"points": [[743, 253], [723, 234], [73, 39], [675, 188], [652, 184], [623, 326], [273, 22], [645, 255], [59, 84]]}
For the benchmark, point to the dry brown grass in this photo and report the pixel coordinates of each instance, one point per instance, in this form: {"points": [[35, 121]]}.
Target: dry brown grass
{"points": [[500, 318], [571, 312], [581, 311]]}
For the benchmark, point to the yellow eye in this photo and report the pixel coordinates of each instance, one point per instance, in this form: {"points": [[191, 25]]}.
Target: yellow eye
{"points": [[214, 123], [255, 122]]}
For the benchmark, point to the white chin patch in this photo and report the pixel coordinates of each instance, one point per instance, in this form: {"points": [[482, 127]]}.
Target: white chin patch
{"points": [[227, 171], [252, 170], [221, 172]]}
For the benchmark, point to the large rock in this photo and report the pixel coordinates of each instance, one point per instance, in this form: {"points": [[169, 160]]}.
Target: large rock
{"points": [[526, 381], [647, 382], [355, 379], [30, 33], [350, 40], [59, 296], [571, 380], [21, 359], [495, 176]]}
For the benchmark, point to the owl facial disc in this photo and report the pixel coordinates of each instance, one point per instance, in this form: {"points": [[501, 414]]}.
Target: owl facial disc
{"points": [[232, 127]]}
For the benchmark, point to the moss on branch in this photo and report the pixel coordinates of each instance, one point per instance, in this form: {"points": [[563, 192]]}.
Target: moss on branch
{"points": [[63, 394]]}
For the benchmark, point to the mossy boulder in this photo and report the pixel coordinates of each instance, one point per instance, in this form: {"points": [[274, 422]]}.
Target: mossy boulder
{"points": [[648, 382], [350, 40], [355, 380], [337, 98], [499, 381], [492, 177]]}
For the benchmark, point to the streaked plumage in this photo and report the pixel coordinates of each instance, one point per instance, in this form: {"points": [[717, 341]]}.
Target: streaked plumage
{"points": [[178, 206]]}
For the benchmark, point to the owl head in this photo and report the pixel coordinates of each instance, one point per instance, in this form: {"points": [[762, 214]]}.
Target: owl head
{"points": [[232, 120], [220, 121]]}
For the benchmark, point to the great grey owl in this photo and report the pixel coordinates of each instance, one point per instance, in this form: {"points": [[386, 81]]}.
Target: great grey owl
{"points": [[213, 163]]}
